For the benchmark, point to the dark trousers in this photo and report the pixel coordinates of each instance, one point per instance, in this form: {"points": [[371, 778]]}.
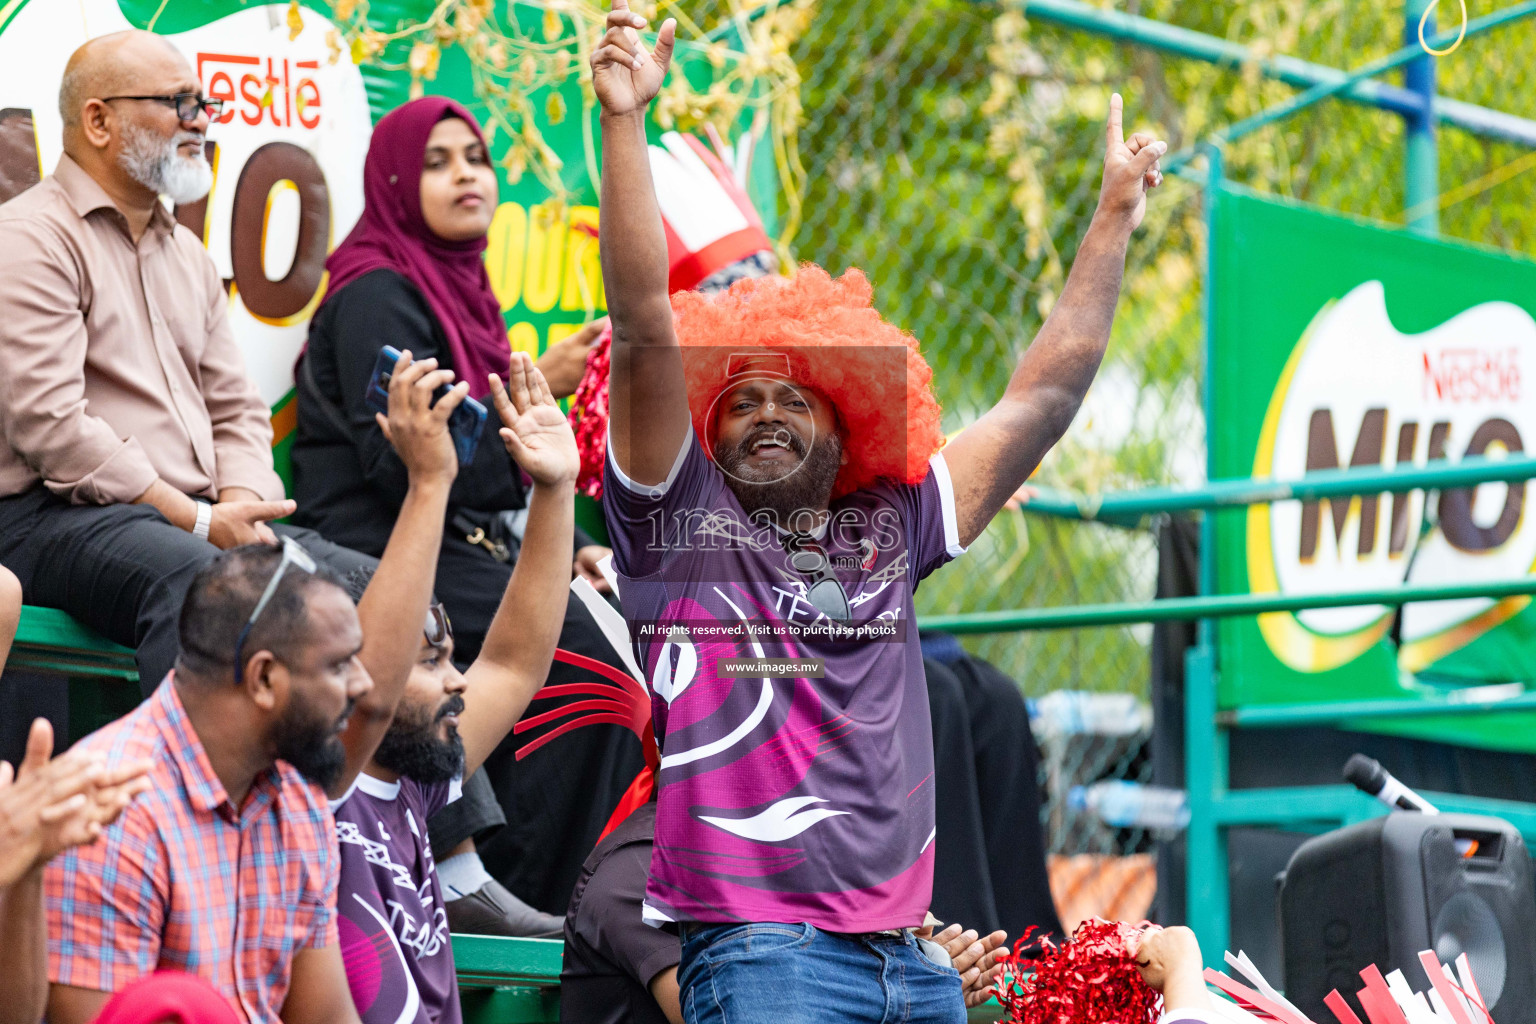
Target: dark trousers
{"points": [[989, 861], [962, 879], [557, 800], [123, 570], [1008, 785]]}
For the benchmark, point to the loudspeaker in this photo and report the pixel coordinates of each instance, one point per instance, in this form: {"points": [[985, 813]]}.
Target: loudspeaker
{"points": [[1381, 891]]}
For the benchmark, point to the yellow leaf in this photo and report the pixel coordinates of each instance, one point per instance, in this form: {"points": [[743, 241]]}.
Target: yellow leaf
{"points": [[333, 43], [295, 21], [343, 9], [528, 69], [266, 98], [359, 50], [553, 29], [554, 108]]}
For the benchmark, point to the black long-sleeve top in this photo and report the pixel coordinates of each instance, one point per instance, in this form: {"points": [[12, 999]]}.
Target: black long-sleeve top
{"points": [[347, 479]]}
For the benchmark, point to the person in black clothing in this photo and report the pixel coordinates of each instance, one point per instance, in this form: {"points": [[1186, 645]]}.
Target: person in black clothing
{"points": [[411, 275]]}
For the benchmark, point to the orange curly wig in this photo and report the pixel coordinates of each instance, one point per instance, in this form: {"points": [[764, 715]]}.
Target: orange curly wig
{"points": [[837, 345]]}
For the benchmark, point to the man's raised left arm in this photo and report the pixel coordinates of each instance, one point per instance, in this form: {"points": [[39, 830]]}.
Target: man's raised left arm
{"points": [[991, 458]]}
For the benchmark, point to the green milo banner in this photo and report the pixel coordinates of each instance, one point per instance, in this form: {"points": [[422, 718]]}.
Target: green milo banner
{"points": [[288, 156], [1338, 343]]}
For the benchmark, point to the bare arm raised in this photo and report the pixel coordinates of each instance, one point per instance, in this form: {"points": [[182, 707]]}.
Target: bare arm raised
{"points": [[647, 402], [992, 457]]}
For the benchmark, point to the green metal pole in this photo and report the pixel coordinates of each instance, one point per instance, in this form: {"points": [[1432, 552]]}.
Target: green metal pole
{"points": [[1217, 606], [1133, 508], [1206, 899], [1421, 193], [1280, 716]]}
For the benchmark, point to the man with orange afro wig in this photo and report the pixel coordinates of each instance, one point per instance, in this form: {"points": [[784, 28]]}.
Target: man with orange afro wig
{"points": [[774, 492]]}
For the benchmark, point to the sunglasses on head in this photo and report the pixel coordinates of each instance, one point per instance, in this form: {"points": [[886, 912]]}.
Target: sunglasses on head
{"points": [[293, 554], [438, 630], [823, 591]]}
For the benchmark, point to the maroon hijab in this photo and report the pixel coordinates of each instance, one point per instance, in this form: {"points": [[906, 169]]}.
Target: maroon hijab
{"points": [[393, 235]]}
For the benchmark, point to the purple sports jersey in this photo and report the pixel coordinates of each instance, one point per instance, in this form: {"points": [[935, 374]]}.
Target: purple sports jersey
{"points": [[794, 798], [394, 930]]}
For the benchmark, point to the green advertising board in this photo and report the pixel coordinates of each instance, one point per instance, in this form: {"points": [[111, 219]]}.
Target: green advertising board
{"points": [[1341, 343]]}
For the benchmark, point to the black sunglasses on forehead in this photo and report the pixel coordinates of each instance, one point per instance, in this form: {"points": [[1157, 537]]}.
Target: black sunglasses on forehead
{"points": [[824, 591]]}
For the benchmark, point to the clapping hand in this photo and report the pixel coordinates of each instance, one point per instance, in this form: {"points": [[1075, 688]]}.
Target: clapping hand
{"points": [[535, 431], [1130, 170], [624, 76], [51, 805], [977, 958]]}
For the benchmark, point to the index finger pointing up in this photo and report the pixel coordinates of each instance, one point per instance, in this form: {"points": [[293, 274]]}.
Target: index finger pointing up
{"points": [[1113, 130]]}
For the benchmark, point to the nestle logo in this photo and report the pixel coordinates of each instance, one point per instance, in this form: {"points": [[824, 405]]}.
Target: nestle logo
{"points": [[274, 90], [1472, 375]]}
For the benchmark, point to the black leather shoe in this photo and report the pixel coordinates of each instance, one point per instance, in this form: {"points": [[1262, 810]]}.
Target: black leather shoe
{"points": [[492, 910]]}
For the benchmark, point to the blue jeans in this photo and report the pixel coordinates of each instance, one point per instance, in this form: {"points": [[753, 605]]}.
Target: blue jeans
{"points": [[794, 973]]}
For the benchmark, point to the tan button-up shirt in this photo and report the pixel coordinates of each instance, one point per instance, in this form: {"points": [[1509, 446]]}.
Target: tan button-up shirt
{"points": [[117, 364]]}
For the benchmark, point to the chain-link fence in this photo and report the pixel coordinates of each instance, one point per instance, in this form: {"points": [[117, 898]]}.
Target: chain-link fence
{"points": [[952, 151]]}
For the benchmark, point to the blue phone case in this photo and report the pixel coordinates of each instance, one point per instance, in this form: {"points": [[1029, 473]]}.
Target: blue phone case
{"points": [[465, 425]]}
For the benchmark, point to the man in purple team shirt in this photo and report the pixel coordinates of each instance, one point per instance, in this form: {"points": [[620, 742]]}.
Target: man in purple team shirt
{"points": [[771, 601], [425, 725]]}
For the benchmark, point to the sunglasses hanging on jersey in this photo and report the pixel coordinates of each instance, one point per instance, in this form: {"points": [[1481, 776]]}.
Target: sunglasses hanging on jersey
{"points": [[822, 590]]}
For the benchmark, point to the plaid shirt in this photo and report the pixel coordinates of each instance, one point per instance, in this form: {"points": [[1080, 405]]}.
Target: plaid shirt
{"points": [[186, 881]]}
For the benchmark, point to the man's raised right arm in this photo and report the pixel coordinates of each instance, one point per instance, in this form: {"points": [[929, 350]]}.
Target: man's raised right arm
{"points": [[647, 403]]}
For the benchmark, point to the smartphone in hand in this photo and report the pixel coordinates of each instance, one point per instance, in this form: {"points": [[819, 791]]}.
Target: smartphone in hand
{"points": [[465, 425]]}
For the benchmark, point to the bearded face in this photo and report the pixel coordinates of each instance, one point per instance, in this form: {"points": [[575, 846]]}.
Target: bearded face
{"points": [[778, 470], [156, 162], [423, 741], [311, 742], [778, 445]]}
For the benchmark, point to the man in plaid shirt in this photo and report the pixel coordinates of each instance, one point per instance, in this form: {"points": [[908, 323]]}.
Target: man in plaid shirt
{"points": [[227, 867]]}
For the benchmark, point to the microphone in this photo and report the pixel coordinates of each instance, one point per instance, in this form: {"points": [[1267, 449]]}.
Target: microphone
{"points": [[1369, 776]]}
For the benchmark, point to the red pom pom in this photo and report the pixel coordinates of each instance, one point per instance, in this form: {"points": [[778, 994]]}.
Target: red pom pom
{"points": [[1092, 979], [589, 416]]}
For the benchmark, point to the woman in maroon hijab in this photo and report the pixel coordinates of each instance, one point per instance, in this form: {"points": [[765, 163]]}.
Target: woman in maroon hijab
{"points": [[412, 275]]}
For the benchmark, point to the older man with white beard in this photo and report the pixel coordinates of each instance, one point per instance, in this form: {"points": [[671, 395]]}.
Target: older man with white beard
{"points": [[135, 446]]}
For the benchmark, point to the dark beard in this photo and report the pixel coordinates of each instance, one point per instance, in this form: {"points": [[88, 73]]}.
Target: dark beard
{"points": [[310, 745], [807, 486], [409, 747]]}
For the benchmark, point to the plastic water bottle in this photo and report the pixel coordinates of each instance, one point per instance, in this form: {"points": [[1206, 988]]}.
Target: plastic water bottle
{"points": [[1075, 713], [1132, 805]]}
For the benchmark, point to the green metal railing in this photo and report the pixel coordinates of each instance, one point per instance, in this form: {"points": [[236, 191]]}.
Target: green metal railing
{"points": [[1135, 508]]}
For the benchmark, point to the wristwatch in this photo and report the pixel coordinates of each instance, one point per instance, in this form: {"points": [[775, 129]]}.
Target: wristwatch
{"points": [[204, 520]]}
